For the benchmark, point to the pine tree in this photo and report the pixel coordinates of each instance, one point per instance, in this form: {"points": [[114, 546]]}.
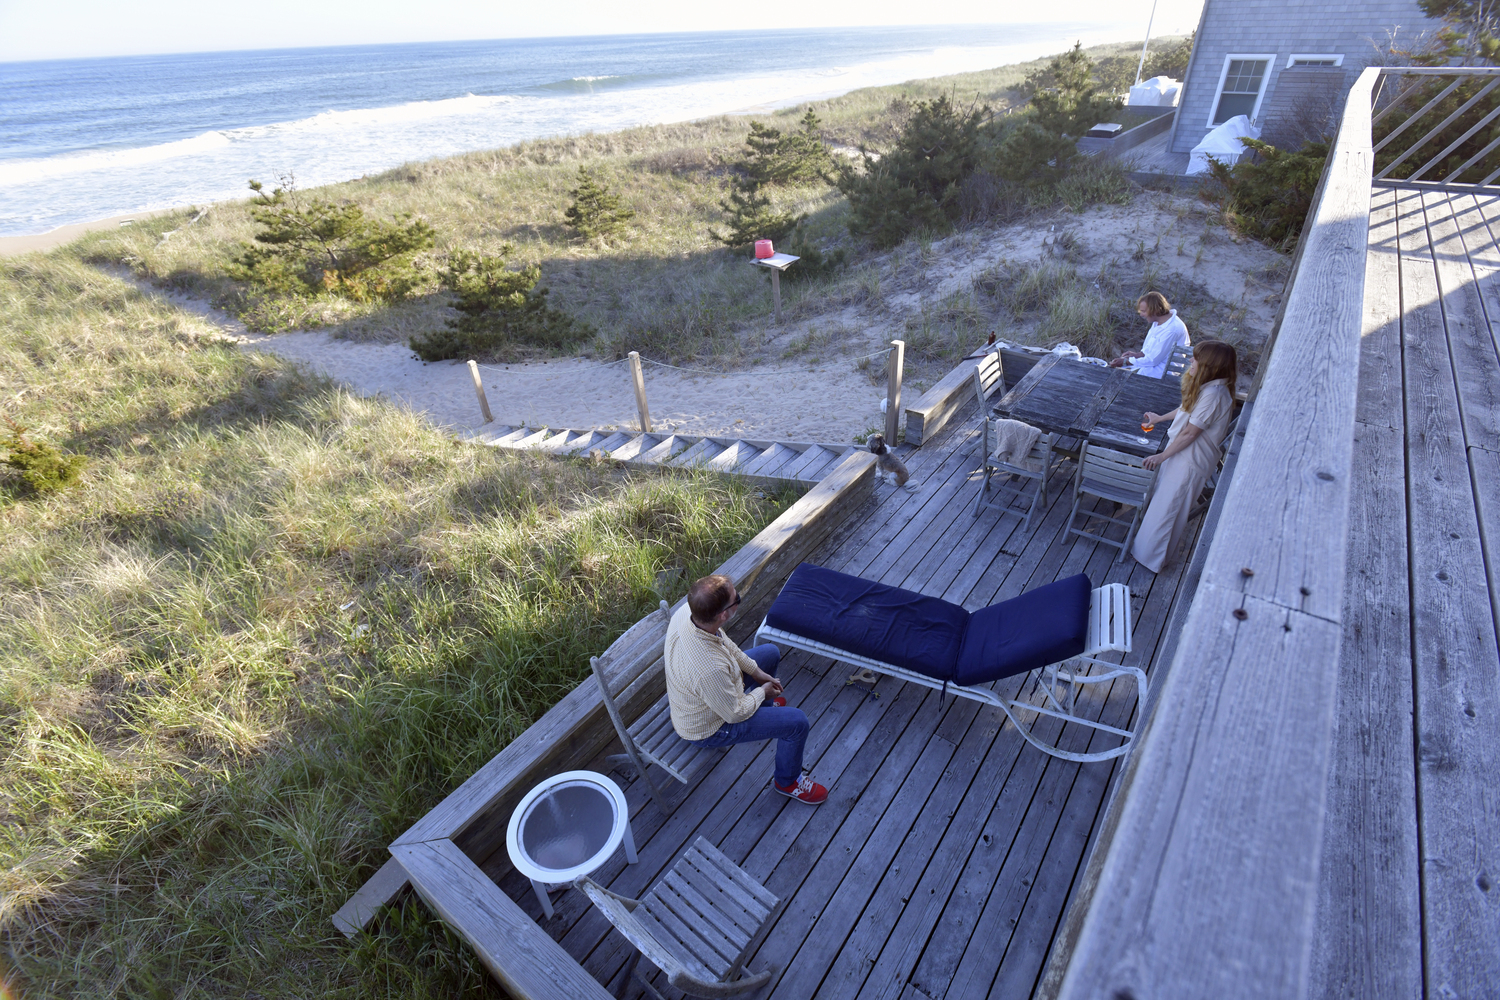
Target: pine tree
{"points": [[1066, 99], [751, 216], [596, 210]]}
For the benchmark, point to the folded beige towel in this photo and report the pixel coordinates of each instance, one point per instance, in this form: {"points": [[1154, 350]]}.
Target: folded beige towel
{"points": [[1013, 441]]}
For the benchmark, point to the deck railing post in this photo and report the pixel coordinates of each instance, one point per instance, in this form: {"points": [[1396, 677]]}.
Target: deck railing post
{"points": [[639, 381], [893, 391]]}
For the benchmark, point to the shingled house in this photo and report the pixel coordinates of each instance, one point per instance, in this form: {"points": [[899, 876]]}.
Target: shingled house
{"points": [[1287, 64]]}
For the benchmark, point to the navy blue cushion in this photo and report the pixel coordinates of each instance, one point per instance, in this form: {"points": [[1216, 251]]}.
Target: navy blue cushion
{"points": [[1042, 626], [884, 623]]}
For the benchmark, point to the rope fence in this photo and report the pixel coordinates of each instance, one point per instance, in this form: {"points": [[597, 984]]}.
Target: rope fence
{"points": [[634, 362]]}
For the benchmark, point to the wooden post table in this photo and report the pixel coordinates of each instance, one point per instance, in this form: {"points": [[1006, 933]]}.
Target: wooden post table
{"points": [[1063, 396]]}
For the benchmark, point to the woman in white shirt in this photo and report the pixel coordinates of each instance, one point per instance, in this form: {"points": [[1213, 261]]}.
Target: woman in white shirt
{"points": [[1192, 451], [1167, 332]]}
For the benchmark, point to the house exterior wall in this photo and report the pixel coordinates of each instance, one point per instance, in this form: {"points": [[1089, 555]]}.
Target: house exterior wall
{"points": [[1281, 28]]}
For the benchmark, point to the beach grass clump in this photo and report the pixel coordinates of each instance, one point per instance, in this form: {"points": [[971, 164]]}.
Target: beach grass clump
{"points": [[269, 627]]}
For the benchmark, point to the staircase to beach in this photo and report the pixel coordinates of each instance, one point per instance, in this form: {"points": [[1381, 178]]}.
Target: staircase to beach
{"points": [[788, 461]]}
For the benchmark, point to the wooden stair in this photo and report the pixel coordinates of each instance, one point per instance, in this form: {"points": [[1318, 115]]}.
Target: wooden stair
{"points": [[772, 461]]}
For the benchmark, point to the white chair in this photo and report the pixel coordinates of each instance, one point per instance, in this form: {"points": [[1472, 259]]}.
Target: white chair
{"points": [[1015, 488], [1116, 476], [697, 925]]}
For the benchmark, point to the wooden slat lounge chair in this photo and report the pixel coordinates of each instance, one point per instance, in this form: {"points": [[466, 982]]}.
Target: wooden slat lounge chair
{"points": [[650, 738], [1111, 475], [697, 925], [926, 640]]}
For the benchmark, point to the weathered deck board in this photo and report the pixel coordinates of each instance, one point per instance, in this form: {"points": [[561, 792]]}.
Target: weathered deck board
{"points": [[928, 794], [1369, 920], [1457, 666]]}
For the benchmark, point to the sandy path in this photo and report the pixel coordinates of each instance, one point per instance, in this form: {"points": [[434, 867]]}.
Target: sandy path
{"points": [[831, 401]]}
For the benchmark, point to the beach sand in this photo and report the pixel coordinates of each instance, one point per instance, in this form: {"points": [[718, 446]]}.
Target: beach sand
{"points": [[829, 402], [11, 246]]}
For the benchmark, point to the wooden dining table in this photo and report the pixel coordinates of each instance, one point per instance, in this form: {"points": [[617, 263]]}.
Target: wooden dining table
{"points": [[1063, 396]]}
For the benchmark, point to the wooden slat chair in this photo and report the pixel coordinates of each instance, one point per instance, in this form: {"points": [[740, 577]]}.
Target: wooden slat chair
{"points": [[697, 925], [1019, 488], [1111, 475], [989, 378], [1177, 364], [650, 739]]}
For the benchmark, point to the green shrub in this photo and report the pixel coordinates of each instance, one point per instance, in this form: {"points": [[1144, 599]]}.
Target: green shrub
{"points": [[502, 310], [596, 211], [1171, 61], [799, 157], [751, 216], [317, 246], [1268, 197], [1032, 157], [43, 468], [1065, 98], [916, 184]]}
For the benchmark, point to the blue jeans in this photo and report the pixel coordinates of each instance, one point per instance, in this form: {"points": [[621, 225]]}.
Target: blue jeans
{"points": [[787, 726]]}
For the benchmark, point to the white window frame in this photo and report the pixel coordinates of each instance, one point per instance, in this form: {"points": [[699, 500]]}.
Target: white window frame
{"points": [[1291, 60], [1270, 58]]}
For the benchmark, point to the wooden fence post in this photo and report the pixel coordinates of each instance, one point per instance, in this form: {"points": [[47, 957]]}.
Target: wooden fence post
{"points": [[640, 391], [893, 391], [484, 404]]}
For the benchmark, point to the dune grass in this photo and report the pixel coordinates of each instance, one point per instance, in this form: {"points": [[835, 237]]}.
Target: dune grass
{"points": [[269, 629], [667, 289]]}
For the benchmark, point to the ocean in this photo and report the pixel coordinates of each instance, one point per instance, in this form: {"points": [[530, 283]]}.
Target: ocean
{"points": [[86, 139]]}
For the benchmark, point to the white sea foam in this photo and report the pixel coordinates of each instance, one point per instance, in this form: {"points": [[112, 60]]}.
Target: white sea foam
{"points": [[336, 145]]}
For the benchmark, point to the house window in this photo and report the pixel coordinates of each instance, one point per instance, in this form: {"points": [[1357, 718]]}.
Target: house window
{"points": [[1296, 59], [1240, 87]]}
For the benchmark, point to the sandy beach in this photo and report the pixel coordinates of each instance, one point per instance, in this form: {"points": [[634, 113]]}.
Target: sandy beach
{"points": [[828, 402], [11, 246]]}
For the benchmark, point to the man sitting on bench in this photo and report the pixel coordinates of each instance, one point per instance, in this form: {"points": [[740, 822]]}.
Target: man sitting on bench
{"points": [[720, 696]]}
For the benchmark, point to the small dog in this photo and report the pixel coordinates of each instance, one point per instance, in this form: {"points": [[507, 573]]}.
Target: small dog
{"points": [[888, 464]]}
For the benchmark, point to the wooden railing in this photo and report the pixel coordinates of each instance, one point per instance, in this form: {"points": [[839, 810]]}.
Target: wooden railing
{"points": [[1204, 883], [440, 856], [1436, 126]]}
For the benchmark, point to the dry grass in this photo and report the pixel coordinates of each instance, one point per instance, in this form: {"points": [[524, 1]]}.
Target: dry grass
{"points": [[271, 627], [667, 289]]}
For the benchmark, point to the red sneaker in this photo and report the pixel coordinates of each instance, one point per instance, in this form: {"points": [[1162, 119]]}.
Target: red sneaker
{"points": [[778, 702], [805, 790]]}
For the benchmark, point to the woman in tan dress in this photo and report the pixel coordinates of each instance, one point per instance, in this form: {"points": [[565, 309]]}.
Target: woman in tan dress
{"points": [[1192, 451]]}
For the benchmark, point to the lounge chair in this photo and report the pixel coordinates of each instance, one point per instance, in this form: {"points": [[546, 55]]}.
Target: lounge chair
{"points": [[926, 640]]}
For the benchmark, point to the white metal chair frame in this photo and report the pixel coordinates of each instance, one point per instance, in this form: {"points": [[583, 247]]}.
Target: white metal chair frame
{"points": [[1109, 631], [697, 925], [650, 739], [1025, 482], [1116, 476]]}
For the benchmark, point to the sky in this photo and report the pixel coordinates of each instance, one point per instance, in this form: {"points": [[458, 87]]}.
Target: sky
{"points": [[66, 29]]}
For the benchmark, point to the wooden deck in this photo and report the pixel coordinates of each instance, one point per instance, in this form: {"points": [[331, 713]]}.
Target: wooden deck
{"points": [[945, 857], [1409, 903]]}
